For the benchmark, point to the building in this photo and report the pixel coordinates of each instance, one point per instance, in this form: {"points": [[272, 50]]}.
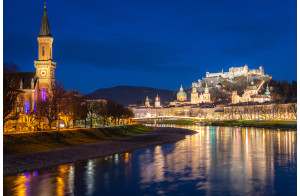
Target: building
{"points": [[214, 79], [237, 71], [200, 97], [197, 96], [147, 102], [181, 95], [157, 102], [36, 85], [251, 94], [261, 111]]}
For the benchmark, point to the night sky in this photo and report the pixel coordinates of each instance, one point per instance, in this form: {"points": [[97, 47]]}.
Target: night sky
{"points": [[160, 44]]}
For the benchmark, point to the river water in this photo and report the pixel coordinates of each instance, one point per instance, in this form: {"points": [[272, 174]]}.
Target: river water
{"points": [[215, 161]]}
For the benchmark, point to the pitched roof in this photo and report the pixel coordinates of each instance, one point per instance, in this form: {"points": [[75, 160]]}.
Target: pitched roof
{"points": [[26, 78], [45, 28]]}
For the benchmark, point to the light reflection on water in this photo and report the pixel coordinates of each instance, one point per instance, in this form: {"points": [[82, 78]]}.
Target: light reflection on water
{"points": [[216, 160]]}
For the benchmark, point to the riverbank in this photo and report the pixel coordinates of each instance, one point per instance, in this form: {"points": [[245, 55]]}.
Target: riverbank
{"points": [[269, 124], [49, 140], [29, 161]]}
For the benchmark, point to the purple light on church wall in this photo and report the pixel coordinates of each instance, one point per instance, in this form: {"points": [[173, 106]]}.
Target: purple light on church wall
{"points": [[26, 106], [43, 94], [34, 106]]}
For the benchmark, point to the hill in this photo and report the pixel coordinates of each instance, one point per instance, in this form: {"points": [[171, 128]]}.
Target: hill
{"points": [[132, 94]]}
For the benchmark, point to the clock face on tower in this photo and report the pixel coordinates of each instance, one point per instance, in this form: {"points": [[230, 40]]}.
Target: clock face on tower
{"points": [[43, 73]]}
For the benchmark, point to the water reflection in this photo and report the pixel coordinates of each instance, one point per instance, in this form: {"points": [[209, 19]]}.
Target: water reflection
{"points": [[216, 160]]}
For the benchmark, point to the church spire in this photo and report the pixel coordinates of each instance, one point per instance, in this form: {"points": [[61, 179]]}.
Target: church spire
{"points": [[181, 89], [45, 28], [206, 89], [267, 91]]}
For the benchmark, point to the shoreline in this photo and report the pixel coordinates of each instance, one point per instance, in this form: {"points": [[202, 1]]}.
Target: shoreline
{"points": [[266, 124], [18, 163]]}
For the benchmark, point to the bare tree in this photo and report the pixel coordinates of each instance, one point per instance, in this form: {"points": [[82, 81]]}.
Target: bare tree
{"points": [[74, 105], [11, 86], [52, 105], [92, 108], [292, 109]]}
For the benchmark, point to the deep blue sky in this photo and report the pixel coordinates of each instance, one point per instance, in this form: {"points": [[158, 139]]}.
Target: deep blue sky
{"points": [[161, 44]]}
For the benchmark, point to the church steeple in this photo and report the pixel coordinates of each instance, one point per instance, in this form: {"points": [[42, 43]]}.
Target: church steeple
{"points": [[45, 27], [206, 89], [267, 91], [181, 89], [45, 67]]}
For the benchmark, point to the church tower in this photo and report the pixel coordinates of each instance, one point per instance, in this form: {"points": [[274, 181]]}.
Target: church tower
{"points": [[157, 102], [147, 102], [194, 95], [206, 95], [45, 66]]}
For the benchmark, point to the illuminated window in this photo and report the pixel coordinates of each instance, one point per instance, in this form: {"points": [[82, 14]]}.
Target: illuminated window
{"points": [[43, 51], [26, 106], [43, 94], [34, 106]]}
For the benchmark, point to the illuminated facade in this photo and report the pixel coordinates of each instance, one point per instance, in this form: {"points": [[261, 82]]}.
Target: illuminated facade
{"points": [[237, 71], [197, 96], [45, 67], [269, 111], [181, 95], [147, 102], [157, 102], [214, 79], [251, 94], [36, 85], [200, 97]]}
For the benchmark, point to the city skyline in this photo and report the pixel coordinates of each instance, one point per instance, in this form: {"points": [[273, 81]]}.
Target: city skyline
{"points": [[156, 45]]}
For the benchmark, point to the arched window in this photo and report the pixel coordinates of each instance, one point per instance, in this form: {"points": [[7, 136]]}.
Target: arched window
{"points": [[34, 106], [27, 106], [50, 53], [43, 94], [43, 50]]}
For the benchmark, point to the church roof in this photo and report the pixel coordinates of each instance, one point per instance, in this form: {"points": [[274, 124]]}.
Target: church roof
{"points": [[181, 94], [45, 28], [26, 78]]}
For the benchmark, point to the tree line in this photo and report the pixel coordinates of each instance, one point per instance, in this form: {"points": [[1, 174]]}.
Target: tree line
{"points": [[274, 111], [58, 103]]}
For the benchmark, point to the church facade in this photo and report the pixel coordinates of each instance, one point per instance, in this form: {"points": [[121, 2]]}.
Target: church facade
{"points": [[36, 85], [251, 94], [197, 97]]}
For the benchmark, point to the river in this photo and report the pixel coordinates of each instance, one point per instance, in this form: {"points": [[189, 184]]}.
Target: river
{"points": [[214, 161]]}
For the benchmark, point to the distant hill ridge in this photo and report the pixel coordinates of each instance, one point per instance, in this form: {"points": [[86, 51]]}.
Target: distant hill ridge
{"points": [[132, 94]]}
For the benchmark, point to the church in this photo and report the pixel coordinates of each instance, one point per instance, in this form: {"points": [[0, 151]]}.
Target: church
{"points": [[197, 97], [251, 94], [36, 85]]}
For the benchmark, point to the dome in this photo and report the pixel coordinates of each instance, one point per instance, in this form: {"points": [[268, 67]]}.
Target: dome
{"points": [[181, 94]]}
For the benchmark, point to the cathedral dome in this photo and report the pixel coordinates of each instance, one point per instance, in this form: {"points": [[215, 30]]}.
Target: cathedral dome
{"points": [[181, 94]]}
